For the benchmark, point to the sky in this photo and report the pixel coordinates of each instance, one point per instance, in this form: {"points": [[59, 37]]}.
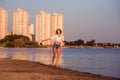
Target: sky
{"points": [[83, 19]]}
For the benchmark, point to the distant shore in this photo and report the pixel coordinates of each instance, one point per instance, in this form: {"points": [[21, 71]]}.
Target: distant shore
{"points": [[11, 69], [71, 46], [91, 47]]}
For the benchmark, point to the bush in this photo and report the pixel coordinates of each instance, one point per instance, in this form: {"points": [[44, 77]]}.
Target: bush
{"points": [[15, 41], [19, 43], [9, 44]]}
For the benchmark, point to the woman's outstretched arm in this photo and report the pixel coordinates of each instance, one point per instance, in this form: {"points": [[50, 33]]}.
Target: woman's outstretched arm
{"points": [[46, 40]]}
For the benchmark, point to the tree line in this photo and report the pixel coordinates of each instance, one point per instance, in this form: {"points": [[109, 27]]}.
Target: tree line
{"points": [[81, 42], [91, 43], [17, 41], [24, 41]]}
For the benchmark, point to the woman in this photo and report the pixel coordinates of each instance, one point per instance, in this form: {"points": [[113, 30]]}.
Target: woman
{"points": [[57, 41]]}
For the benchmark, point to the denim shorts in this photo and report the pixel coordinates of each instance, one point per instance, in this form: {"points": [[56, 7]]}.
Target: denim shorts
{"points": [[57, 46]]}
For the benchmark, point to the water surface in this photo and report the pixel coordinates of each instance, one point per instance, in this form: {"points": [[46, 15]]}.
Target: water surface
{"points": [[98, 61]]}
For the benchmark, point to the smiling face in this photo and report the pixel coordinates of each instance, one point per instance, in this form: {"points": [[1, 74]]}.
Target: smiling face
{"points": [[58, 31]]}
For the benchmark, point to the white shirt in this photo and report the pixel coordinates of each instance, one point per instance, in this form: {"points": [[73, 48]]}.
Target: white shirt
{"points": [[57, 38]]}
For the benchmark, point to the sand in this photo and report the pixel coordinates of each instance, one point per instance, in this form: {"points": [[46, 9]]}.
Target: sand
{"points": [[11, 69]]}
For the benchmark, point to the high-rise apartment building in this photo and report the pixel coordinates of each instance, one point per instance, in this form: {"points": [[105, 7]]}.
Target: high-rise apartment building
{"points": [[46, 25], [43, 27], [3, 22], [48, 28], [20, 22], [57, 22]]}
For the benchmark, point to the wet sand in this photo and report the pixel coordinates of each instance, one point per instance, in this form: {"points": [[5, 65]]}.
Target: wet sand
{"points": [[11, 69]]}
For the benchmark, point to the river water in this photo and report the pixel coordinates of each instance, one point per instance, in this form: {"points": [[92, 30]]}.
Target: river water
{"points": [[98, 61]]}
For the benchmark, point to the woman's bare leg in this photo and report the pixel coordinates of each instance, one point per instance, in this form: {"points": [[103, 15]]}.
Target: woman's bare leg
{"points": [[58, 56], [54, 55]]}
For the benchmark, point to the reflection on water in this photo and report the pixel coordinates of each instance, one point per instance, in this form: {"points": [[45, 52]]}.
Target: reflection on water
{"points": [[19, 56], [3, 55], [41, 55]]}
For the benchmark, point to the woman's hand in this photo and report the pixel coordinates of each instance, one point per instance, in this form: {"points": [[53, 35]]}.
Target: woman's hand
{"points": [[41, 42]]}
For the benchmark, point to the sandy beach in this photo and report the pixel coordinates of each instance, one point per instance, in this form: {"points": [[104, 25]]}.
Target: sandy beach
{"points": [[11, 69]]}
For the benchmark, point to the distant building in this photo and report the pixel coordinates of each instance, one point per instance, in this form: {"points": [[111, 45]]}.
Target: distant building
{"points": [[20, 22], [43, 27], [57, 22], [46, 25], [31, 31], [3, 22]]}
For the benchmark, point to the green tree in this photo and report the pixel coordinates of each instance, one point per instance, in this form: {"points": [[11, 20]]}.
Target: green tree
{"points": [[91, 43], [15, 41], [79, 42], [9, 44], [19, 43]]}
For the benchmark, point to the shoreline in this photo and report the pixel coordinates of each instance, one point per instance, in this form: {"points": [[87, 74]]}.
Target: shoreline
{"points": [[71, 46], [27, 70], [91, 47], [81, 47]]}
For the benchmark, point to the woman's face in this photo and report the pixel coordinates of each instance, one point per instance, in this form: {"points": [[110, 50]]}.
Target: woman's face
{"points": [[58, 31]]}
